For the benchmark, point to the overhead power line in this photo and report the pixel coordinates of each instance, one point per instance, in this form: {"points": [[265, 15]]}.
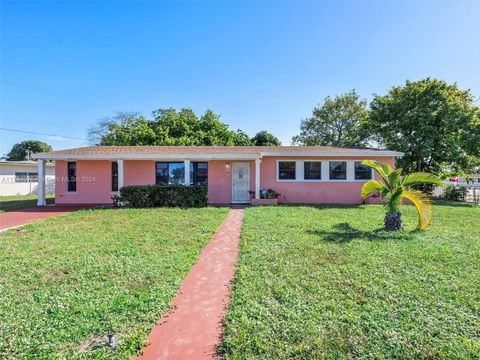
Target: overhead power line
{"points": [[38, 133]]}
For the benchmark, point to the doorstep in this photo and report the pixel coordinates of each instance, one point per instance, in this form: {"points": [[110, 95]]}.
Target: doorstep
{"points": [[264, 202]]}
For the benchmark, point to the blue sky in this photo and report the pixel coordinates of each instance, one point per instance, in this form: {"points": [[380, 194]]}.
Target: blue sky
{"points": [[260, 64]]}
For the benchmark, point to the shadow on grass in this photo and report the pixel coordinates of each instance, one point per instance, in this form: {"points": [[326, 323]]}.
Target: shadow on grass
{"points": [[324, 206], [344, 233], [10, 205]]}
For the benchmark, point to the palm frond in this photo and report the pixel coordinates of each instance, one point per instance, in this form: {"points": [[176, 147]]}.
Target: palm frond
{"points": [[377, 167], [423, 205], [395, 200], [387, 169], [394, 179], [420, 178], [370, 187]]}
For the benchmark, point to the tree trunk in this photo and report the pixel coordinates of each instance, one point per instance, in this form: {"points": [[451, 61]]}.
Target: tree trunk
{"points": [[393, 221]]}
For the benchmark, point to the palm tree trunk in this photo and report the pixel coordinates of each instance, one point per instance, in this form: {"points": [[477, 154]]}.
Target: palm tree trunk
{"points": [[393, 221]]}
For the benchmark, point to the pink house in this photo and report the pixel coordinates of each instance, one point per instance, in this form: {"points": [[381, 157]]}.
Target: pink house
{"points": [[233, 174]]}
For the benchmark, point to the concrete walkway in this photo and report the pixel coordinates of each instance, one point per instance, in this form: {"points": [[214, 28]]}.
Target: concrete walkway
{"points": [[11, 219], [192, 329]]}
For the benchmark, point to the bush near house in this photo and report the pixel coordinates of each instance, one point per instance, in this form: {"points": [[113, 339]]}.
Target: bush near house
{"points": [[456, 193], [141, 196]]}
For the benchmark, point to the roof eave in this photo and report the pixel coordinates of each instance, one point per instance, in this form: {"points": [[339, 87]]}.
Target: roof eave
{"points": [[337, 154], [50, 156]]}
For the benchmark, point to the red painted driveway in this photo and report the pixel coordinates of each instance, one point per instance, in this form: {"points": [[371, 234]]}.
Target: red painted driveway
{"points": [[24, 216], [193, 328]]}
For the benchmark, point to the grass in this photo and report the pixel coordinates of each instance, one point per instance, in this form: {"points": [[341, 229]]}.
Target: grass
{"points": [[16, 202], [325, 282], [68, 281]]}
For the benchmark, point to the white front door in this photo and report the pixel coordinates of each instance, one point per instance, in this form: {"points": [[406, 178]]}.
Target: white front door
{"points": [[240, 183]]}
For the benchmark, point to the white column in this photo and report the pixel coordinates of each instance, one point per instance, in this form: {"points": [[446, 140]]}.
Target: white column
{"points": [[350, 170], [257, 178], [41, 183], [121, 174], [325, 170], [187, 172], [300, 170]]}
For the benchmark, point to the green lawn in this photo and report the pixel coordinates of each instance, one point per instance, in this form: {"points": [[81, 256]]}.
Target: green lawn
{"points": [[15, 202], [321, 282], [67, 281]]}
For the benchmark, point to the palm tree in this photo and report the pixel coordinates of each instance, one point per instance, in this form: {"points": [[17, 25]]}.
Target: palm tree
{"points": [[395, 188]]}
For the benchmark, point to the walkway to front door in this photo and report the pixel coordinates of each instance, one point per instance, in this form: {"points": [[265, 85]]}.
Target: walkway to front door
{"points": [[192, 329]]}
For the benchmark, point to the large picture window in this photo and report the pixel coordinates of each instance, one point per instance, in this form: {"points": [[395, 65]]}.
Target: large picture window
{"points": [[174, 173], [170, 173], [72, 176], [286, 170], [338, 170], [362, 172], [198, 173], [312, 170], [114, 176]]}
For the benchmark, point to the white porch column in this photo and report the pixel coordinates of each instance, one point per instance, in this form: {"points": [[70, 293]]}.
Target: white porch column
{"points": [[41, 183], [121, 174], [187, 172], [257, 178], [350, 170]]}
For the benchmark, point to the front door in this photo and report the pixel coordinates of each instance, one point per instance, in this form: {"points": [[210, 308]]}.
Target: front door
{"points": [[240, 183]]}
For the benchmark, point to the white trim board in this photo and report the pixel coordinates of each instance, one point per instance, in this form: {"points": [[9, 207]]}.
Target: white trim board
{"points": [[239, 156]]}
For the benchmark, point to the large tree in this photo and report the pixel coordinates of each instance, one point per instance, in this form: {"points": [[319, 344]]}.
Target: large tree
{"points": [[264, 138], [435, 124], [24, 150], [168, 127], [338, 122]]}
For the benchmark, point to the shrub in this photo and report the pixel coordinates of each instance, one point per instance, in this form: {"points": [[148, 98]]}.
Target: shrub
{"points": [[266, 194], [452, 192], [164, 196]]}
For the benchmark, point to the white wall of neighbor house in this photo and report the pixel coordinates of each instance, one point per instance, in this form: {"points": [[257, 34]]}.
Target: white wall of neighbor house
{"points": [[19, 179]]}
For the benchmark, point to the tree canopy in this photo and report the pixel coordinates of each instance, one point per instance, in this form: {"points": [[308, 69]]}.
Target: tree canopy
{"points": [[264, 138], [435, 124], [168, 127], [338, 122], [23, 150]]}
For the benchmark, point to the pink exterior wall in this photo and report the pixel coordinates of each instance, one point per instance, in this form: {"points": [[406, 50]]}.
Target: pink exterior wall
{"points": [[308, 192], [139, 172], [94, 182], [220, 181]]}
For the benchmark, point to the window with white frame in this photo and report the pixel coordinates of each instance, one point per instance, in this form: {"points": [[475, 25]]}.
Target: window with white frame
{"points": [[21, 177], [362, 172], [312, 170], [287, 170], [338, 170], [32, 177], [324, 170]]}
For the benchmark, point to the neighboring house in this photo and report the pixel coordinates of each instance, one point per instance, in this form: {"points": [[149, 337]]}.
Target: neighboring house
{"points": [[310, 174], [21, 178], [475, 177]]}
